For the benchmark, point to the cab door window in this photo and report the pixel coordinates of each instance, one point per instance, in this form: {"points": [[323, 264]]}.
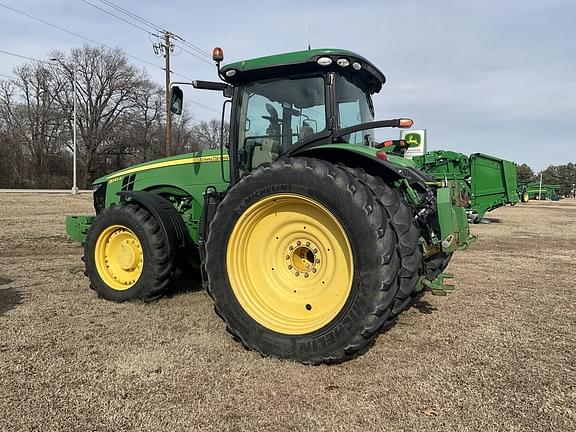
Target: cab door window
{"points": [[276, 114]]}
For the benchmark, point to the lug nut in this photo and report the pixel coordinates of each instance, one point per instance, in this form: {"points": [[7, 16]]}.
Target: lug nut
{"points": [[298, 242], [305, 275], [289, 267], [291, 247], [317, 261], [313, 270], [315, 250], [307, 243], [287, 256], [297, 274]]}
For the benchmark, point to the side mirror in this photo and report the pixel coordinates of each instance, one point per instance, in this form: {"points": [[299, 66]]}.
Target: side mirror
{"points": [[176, 100]]}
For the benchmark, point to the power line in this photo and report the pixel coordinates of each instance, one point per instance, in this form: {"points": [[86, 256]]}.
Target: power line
{"points": [[155, 27], [94, 42], [132, 15], [24, 57], [204, 106], [115, 16], [48, 63], [49, 24], [192, 46], [77, 35], [194, 54], [197, 56]]}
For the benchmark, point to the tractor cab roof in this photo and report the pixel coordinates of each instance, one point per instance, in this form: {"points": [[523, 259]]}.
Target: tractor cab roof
{"points": [[304, 62]]}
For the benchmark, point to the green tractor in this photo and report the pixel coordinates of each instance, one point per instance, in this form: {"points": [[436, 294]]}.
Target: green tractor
{"points": [[310, 236], [537, 191]]}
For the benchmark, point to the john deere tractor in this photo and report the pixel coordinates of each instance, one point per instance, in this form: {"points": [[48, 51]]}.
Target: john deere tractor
{"points": [[310, 235], [537, 191]]}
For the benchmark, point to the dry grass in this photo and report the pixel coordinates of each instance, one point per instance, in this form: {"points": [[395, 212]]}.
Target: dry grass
{"points": [[497, 354]]}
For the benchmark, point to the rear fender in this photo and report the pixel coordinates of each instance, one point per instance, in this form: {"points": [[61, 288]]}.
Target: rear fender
{"points": [[376, 167], [401, 175]]}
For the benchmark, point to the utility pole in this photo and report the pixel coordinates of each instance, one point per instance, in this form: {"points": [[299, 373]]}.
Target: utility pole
{"points": [[165, 47], [540, 191], [75, 164]]}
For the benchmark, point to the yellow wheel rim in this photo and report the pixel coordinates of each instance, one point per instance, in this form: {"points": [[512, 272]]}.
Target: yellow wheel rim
{"points": [[290, 264], [525, 197], [119, 257]]}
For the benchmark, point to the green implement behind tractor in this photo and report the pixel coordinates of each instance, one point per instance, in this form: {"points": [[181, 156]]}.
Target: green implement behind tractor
{"points": [[537, 191], [487, 182], [310, 236]]}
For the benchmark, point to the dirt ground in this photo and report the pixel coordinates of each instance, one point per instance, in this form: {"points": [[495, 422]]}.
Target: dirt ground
{"points": [[497, 354]]}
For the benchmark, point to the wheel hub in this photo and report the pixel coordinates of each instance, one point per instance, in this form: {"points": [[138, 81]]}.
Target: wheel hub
{"points": [[128, 255], [303, 258]]}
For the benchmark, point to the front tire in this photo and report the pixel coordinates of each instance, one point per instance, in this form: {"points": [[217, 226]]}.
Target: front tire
{"points": [[126, 255], [302, 262]]}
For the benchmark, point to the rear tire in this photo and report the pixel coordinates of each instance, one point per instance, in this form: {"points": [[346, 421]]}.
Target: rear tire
{"points": [[401, 217], [126, 255], [260, 290]]}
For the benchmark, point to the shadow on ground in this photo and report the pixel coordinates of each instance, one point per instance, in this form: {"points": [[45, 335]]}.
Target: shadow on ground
{"points": [[424, 306], [491, 220], [183, 283], [9, 297]]}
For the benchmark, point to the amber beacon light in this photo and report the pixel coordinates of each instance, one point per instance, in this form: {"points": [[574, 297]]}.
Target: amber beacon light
{"points": [[218, 54]]}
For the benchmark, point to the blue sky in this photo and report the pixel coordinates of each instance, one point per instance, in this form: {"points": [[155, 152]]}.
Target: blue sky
{"points": [[496, 77]]}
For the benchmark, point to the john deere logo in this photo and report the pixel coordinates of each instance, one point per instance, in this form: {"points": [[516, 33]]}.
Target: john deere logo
{"points": [[413, 139]]}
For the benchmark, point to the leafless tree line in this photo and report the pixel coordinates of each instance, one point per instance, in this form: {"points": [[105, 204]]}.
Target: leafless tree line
{"points": [[120, 120]]}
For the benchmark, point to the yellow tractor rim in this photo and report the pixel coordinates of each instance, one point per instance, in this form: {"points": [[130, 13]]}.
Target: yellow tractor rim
{"points": [[290, 264], [119, 257], [525, 197]]}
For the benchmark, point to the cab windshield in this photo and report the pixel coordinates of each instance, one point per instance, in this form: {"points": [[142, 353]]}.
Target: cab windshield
{"points": [[275, 114], [354, 107]]}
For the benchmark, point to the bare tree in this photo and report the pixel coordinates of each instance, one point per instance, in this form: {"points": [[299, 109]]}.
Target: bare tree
{"points": [[120, 119], [11, 161], [183, 137], [139, 131], [146, 121], [207, 134], [107, 89], [32, 116]]}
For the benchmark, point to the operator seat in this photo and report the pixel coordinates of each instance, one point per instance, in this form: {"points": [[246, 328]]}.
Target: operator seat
{"points": [[306, 130], [269, 146]]}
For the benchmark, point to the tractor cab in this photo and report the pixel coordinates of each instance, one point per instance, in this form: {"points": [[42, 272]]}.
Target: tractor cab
{"points": [[290, 101]]}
